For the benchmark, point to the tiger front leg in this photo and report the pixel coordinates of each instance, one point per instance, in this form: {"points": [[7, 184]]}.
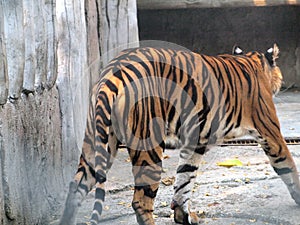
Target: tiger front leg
{"points": [[283, 164], [268, 134], [185, 179], [294, 188]]}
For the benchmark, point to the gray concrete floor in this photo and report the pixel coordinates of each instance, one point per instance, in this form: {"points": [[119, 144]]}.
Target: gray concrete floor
{"points": [[248, 194]]}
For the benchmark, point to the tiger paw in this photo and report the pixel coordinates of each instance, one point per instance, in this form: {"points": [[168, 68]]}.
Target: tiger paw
{"points": [[179, 215], [182, 217]]}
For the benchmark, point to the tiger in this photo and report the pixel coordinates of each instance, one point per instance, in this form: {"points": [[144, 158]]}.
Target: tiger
{"points": [[147, 95]]}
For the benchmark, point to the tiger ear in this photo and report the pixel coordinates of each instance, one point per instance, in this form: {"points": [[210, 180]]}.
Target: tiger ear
{"points": [[272, 54], [236, 50]]}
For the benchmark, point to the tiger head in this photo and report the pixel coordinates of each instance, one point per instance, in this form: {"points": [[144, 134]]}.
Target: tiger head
{"points": [[268, 61]]}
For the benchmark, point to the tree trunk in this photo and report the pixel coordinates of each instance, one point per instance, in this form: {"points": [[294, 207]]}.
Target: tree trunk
{"points": [[30, 123], [71, 82], [117, 29], [93, 45], [122, 31], [14, 39], [30, 54], [3, 62], [50, 56]]}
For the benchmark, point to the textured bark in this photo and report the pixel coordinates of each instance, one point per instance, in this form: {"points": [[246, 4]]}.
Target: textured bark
{"points": [[71, 82], [179, 4], [30, 159], [14, 39], [117, 27], [50, 56], [93, 45], [30, 124], [3, 62], [111, 27], [40, 45], [51, 62], [30, 54]]}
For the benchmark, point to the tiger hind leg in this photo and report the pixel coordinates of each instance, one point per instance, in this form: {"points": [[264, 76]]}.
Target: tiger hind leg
{"points": [[146, 168], [185, 179], [78, 188], [104, 157]]}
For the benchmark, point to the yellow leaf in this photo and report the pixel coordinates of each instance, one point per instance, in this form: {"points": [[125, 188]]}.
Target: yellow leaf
{"points": [[230, 163]]}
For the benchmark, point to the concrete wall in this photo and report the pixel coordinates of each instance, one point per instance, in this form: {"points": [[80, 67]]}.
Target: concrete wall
{"points": [[180, 4], [216, 30]]}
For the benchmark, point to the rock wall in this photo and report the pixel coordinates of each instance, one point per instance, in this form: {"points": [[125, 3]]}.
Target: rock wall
{"points": [[216, 30]]}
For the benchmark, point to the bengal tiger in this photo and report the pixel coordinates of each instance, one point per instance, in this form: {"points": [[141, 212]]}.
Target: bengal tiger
{"points": [[146, 94]]}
